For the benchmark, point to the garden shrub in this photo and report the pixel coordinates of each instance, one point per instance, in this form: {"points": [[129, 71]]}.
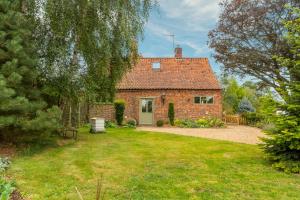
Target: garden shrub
{"points": [[267, 127], [177, 122], [131, 123], [4, 164], [171, 113], [203, 123], [199, 123], [216, 122], [120, 108], [252, 118], [6, 189], [110, 124], [160, 123], [245, 106], [187, 123]]}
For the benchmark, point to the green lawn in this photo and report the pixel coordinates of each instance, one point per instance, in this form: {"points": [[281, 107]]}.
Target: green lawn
{"points": [[143, 165]]}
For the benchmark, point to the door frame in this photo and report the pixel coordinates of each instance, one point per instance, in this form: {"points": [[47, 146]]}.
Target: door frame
{"points": [[140, 108]]}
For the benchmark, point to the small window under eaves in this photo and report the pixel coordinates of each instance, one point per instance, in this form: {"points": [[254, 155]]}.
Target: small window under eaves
{"points": [[156, 65]]}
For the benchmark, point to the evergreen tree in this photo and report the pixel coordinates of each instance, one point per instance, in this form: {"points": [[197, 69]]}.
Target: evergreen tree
{"points": [[21, 104], [233, 93], [283, 145], [171, 114], [245, 106]]}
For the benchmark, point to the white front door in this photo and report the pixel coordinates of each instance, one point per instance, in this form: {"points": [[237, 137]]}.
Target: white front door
{"points": [[146, 111]]}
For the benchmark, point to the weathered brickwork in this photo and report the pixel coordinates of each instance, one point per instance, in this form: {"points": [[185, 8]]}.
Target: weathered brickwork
{"points": [[183, 100], [105, 111]]}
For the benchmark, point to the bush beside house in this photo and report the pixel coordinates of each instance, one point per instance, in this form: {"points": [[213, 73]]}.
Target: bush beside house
{"points": [[171, 113], [120, 108], [131, 123], [159, 123], [200, 123]]}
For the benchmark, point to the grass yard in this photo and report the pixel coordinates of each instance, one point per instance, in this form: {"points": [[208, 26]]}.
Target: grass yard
{"points": [[144, 165]]}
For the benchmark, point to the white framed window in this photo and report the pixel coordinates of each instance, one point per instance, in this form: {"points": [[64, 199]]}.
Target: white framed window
{"points": [[156, 65], [204, 100]]}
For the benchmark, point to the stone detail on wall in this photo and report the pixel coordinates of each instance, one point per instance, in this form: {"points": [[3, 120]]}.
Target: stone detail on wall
{"points": [[106, 111]]}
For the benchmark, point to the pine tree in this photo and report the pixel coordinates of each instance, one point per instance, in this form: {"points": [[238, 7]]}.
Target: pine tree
{"points": [[245, 106], [21, 105], [283, 144]]}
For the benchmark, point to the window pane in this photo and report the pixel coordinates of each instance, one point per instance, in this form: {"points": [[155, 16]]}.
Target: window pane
{"points": [[203, 100], [156, 65], [197, 100], [149, 106], [210, 100], [144, 104]]}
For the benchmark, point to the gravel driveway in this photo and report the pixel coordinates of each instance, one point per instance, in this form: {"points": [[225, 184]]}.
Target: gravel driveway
{"points": [[241, 134]]}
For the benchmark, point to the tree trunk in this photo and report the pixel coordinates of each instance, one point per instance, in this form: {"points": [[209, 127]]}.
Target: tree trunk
{"points": [[78, 122], [70, 116]]}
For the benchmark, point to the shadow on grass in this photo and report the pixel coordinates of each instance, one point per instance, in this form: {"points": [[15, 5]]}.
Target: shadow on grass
{"points": [[38, 146]]}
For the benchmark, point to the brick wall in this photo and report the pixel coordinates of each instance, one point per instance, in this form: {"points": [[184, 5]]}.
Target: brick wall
{"points": [[184, 105], [105, 111]]}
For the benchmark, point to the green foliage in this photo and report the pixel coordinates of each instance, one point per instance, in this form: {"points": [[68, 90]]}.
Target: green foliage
{"points": [[234, 93], [245, 106], [199, 123], [87, 45], [171, 113], [131, 123], [241, 48], [151, 166], [252, 118], [159, 123], [216, 122], [22, 108], [110, 124], [4, 164], [119, 108], [186, 123], [283, 144], [48, 120], [6, 188]]}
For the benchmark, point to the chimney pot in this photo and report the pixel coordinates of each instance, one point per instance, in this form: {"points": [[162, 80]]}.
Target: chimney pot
{"points": [[178, 52]]}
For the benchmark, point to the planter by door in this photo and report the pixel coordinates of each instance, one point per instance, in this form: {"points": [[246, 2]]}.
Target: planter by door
{"points": [[146, 111]]}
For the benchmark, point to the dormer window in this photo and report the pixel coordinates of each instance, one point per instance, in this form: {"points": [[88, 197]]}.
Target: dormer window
{"points": [[156, 65]]}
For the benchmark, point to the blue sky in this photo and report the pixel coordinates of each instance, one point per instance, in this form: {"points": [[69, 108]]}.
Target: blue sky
{"points": [[189, 20]]}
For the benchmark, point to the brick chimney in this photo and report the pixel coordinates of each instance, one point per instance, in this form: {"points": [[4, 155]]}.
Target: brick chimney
{"points": [[178, 52]]}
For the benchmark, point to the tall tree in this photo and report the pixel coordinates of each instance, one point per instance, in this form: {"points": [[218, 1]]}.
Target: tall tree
{"points": [[248, 35], [283, 145], [21, 105], [87, 45], [233, 93]]}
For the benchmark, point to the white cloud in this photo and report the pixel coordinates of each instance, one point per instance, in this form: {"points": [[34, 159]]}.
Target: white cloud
{"points": [[195, 14], [164, 33], [158, 30], [189, 20]]}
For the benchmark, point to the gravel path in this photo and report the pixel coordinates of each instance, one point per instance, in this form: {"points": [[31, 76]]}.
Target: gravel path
{"points": [[240, 134]]}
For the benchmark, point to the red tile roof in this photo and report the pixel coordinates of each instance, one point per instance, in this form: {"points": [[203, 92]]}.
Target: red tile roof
{"points": [[174, 73]]}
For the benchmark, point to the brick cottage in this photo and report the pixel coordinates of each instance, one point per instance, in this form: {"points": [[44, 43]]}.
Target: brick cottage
{"points": [[153, 83]]}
